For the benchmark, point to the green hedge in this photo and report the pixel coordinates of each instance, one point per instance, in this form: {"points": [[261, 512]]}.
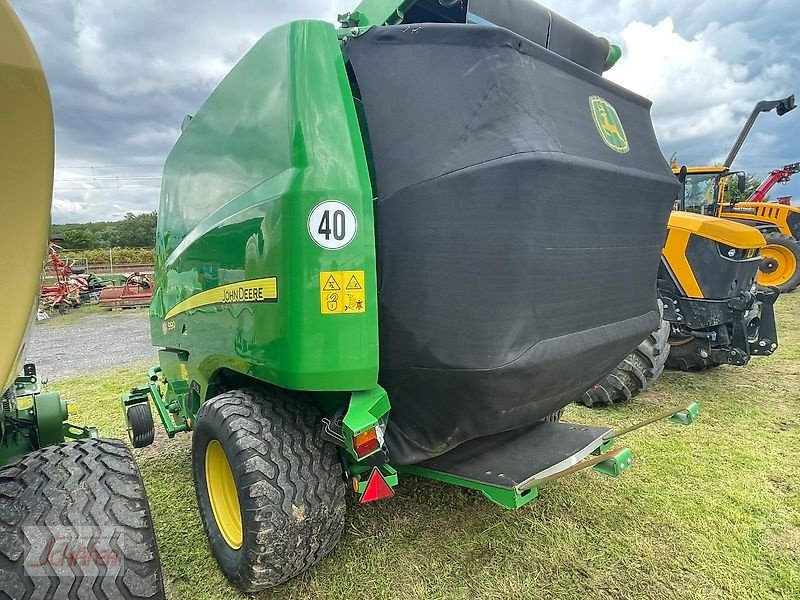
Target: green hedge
{"points": [[121, 256]]}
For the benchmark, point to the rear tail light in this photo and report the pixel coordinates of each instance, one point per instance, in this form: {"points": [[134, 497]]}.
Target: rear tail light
{"points": [[367, 442]]}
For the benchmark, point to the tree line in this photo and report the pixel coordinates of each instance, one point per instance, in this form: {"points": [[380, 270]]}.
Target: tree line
{"points": [[134, 231]]}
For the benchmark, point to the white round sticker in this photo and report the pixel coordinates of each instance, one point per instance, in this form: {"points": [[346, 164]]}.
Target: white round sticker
{"points": [[332, 225]]}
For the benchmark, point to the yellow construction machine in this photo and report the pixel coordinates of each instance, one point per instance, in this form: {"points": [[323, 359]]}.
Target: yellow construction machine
{"points": [[703, 192], [68, 498]]}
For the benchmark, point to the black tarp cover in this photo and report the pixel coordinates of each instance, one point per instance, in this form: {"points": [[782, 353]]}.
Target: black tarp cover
{"points": [[517, 252]]}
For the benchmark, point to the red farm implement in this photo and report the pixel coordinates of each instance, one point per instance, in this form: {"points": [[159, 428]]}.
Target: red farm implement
{"points": [[136, 291]]}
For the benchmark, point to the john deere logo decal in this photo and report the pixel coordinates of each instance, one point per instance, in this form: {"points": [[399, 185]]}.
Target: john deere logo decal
{"points": [[608, 124]]}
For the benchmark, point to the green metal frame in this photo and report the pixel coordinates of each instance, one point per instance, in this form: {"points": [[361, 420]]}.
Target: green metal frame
{"points": [[41, 421], [366, 409], [510, 498], [171, 408]]}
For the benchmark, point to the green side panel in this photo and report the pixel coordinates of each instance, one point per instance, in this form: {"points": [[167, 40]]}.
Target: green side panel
{"points": [[276, 138]]}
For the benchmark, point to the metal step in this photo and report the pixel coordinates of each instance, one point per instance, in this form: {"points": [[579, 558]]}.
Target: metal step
{"points": [[504, 466]]}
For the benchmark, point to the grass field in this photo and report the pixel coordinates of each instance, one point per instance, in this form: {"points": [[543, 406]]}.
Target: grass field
{"points": [[707, 511]]}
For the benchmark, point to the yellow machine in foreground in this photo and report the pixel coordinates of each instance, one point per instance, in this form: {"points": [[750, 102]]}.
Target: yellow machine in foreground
{"points": [[74, 518], [26, 173], [703, 192]]}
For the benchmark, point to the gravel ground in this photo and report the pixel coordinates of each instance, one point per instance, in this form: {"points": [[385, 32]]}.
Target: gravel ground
{"points": [[89, 342]]}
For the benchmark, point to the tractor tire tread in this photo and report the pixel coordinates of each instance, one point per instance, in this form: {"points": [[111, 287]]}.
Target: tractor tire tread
{"points": [[294, 507], [634, 374], [92, 483]]}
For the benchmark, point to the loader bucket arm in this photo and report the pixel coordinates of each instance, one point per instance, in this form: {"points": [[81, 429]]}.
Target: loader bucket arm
{"points": [[26, 181], [781, 107]]}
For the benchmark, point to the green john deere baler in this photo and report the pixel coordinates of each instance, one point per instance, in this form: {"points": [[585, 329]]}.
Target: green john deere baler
{"points": [[399, 246]]}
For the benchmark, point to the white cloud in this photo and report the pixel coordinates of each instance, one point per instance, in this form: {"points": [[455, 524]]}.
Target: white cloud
{"points": [[69, 211], [150, 45], [123, 75], [696, 93]]}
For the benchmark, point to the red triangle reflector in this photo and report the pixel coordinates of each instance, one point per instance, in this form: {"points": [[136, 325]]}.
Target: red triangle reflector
{"points": [[377, 488]]}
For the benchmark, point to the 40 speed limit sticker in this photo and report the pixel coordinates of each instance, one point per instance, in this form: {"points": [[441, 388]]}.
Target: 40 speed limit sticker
{"points": [[332, 225]]}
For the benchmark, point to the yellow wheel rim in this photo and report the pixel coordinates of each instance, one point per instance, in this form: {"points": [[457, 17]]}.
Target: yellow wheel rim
{"points": [[778, 265], [222, 494]]}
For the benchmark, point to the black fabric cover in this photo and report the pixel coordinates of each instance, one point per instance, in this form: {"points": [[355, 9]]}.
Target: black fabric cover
{"points": [[517, 252], [546, 28]]}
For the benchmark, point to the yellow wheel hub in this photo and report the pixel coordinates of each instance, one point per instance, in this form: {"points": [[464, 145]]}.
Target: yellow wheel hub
{"points": [[222, 494], [778, 265]]}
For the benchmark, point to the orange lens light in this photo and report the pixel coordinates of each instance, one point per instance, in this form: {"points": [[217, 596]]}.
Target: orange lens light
{"points": [[366, 442]]}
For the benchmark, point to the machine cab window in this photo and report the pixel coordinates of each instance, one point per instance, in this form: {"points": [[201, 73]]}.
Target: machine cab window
{"points": [[699, 193]]}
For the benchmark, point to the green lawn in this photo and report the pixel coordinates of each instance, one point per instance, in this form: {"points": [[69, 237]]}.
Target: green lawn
{"points": [[707, 511]]}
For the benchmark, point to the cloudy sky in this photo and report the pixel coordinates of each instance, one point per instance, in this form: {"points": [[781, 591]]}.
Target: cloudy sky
{"points": [[124, 73]]}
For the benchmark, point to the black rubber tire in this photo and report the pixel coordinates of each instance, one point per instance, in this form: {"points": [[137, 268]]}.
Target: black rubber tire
{"points": [[63, 307], [634, 374], [93, 484], [687, 355], [290, 485], [793, 245], [141, 429]]}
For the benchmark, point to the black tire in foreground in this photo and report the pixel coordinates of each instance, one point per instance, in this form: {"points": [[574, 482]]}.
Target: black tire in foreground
{"points": [[634, 374], [269, 487], [75, 523], [780, 262]]}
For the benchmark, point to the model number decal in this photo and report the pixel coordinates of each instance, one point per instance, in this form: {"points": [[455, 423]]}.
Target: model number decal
{"points": [[332, 225]]}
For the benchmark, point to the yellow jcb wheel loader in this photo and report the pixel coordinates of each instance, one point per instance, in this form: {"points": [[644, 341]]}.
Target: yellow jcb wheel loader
{"points": [[707, 283], [703, 192], [713, 311]]}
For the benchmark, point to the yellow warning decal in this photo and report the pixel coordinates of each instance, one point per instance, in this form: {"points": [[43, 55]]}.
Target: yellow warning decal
{"points": [[342, 292], [252, 290]]}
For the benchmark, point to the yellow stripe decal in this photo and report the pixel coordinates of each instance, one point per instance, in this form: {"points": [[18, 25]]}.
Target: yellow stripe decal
{"points": [[253, 290]]}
